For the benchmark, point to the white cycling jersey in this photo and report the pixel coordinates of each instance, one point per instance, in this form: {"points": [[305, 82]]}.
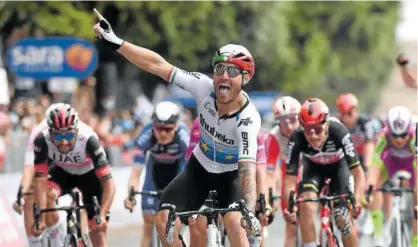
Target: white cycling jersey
{"points": [[29, 155], [224, 140], [76, 161]]}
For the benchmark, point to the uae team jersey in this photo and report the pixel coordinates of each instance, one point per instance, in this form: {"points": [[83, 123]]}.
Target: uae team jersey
{"points": [[224, 140]]}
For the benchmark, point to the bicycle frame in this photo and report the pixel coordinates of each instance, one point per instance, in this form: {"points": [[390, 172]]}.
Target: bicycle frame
{"points": [[210, 212], [325, 201], [396, 209]]}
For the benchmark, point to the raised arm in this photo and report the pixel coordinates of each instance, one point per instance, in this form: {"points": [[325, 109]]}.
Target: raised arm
{"points": [[146, 59]]}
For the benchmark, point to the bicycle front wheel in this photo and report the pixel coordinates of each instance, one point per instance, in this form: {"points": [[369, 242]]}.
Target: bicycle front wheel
{"points": [[70, 241]]}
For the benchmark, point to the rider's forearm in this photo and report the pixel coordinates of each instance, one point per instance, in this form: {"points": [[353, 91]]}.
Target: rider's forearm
{"points": [[289, 183], [109, 192], [407, 77], [359, 181], [145, 59], [134, 178], [27, 178], [261, 181], [247, 177], [368, 153], [40, 193]]}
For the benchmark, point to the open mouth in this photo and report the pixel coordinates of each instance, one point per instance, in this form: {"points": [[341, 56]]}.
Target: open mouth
{"points": [[224, 89]]}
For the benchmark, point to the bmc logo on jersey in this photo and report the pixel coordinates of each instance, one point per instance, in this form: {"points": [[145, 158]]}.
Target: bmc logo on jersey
{"points": [[348, 145], [244, 136], [245, 121]]}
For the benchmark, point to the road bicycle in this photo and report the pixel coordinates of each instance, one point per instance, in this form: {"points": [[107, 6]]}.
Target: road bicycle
{"points": [[74, 236], [327, 236], [155, 241], [400, 230]]}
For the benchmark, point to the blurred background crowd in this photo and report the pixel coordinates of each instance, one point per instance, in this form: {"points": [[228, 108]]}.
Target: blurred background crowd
{"points": [[303, 49]]}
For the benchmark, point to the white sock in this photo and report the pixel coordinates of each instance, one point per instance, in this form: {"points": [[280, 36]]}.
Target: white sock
{"points": [[311, 244], [35, 241], [56, 234]]}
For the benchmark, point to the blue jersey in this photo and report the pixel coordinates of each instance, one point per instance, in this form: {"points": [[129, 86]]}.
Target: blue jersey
{"points": [[163, 162]]}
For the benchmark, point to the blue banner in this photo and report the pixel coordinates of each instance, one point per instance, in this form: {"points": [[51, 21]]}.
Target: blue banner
{"points": [[43, 58]]}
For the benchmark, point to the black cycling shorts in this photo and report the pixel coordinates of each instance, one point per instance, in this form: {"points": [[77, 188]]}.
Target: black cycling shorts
{"points": [[89, 185], [191, 187], [314, 175]]}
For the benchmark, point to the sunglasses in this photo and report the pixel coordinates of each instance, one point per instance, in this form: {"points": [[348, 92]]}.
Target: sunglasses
{"points": [[163, 128], [402, 136], [317, 129], [349, 113], [232, 71], [287, 119], [63, 136]]}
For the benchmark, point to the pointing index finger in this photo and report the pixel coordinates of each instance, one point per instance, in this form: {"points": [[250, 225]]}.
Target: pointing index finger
{"points": [[99, 16]]}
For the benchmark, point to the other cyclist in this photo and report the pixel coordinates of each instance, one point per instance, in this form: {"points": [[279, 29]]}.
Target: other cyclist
{"points": [[26, 186], [161, 147], [394, 152], [68, 155], [328, 152], [362, 129], [229, 124], [198, 229], [286, 110]]}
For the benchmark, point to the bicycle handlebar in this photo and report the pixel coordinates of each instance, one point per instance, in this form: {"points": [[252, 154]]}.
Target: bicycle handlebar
{"points": [[133, 193], [172, 215], [322, 199], [394, 190], [68, 209]]}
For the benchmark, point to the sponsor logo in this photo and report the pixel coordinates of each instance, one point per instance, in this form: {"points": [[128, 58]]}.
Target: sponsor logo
{"points": [[194, 74], [211, 130], [208, 106], [244, 136], [67, 158], [245, 121], [348, 145]]}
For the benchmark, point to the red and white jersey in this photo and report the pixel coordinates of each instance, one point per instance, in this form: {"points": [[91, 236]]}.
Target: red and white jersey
{"points": [[276, 148], [29, 155]]}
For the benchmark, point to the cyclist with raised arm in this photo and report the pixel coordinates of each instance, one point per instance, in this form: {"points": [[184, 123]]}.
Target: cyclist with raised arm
{"points": [[327, 152], [161, 147], [362, 129], [68, 155], [26, 186], [198, 227], [286, 110], [394, 152], [229, 124]]}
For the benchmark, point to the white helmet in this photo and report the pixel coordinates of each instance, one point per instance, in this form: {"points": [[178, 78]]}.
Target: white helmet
{"points": [[52, 107], [166, 112], [286, 106], [399, 120], [235, 54]]}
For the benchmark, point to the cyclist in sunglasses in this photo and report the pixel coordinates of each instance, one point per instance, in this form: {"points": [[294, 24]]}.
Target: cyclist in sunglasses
{"points": [[327, 152], [362, 129], [68, 155], [229, 124], [286, 110], [160, 149], [395, 151]]}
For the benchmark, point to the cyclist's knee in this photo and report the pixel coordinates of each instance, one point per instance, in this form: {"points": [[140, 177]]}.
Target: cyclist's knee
{"points": [[342, 218], [308, 208]]}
